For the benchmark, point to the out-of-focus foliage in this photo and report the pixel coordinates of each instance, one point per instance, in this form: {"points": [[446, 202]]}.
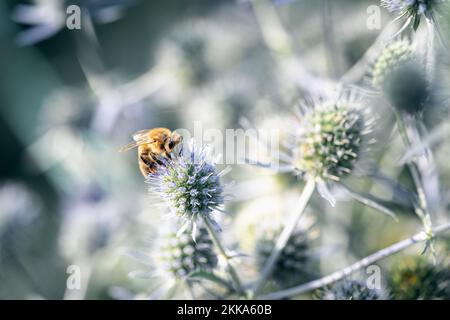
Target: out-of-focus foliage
{"points": [[417, 278]]}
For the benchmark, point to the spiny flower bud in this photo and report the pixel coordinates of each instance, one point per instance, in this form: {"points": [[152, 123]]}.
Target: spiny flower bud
{"points": [[398, 73], [190, 186], [350, 289], [330, 140], [407, 88], [258, 232], [417, 278], [295, 263], [179, 256], [391, 58]]}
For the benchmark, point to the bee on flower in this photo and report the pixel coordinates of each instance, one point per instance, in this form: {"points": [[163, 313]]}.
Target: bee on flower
{"points": [[189, 185]]}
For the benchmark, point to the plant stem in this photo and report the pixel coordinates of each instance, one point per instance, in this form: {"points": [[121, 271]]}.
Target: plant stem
{"points": [[285, 235], [331, 51], [430, 62], [422, 207], [222, 252], [335, 276], [190, 290]]}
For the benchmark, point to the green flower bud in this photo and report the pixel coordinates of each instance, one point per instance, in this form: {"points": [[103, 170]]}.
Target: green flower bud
{"points": [[180, 256], [295, 263], [401, 77], [258, 232], [417, 278], [407, 88], [330, 141], [390, 59]]}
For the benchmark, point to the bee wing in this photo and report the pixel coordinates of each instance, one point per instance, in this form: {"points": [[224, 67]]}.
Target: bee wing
{"points": [[129, 146], [140, 138], [141, 135]]}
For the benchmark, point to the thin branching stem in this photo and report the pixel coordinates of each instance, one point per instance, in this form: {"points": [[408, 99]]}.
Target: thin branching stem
{"points": [[421, 207], [190, 290], [331, 49], [430, 63], [223, 254], [338, 275], [283, 239]]}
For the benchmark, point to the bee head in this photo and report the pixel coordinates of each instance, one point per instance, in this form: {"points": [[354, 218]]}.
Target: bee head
{"points": [[173, 141]]}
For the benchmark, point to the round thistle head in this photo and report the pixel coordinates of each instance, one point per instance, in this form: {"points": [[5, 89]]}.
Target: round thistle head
{"points": [[330, 140], [390, 59], [189, 185], [295, 264], [407, 88], [258, 232], [349, 289], [417, 278], [178, 256], [398, 73]]}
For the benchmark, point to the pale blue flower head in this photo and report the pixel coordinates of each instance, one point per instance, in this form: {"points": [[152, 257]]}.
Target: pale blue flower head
{"points": [[189, 186]]}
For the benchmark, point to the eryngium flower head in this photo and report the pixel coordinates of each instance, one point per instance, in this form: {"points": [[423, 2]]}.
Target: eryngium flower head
{"points": [[190, 187], [417, 278], [350, 289], [391, 58], [400, 75], [178, 256], [258, 232], [295, 264], [407, 88], [330, 141]]}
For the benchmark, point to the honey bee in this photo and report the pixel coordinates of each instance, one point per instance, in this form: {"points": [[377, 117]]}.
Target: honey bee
{"points": [[153, 144]]}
